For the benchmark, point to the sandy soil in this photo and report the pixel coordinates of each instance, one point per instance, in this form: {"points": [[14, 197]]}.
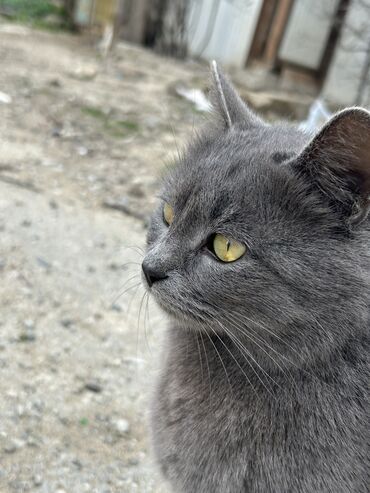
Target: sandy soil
{"points": [[81, 135]]}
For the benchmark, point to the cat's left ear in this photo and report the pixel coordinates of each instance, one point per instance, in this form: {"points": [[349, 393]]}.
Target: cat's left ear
{"points": [[228, 103], [337, 160]]}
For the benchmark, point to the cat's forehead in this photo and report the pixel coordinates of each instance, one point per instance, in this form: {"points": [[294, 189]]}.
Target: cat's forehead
{"points": [[263, 144], [217, 168]]}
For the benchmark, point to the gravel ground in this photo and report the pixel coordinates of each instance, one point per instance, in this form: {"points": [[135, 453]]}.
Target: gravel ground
{"points": [[82, 144]]}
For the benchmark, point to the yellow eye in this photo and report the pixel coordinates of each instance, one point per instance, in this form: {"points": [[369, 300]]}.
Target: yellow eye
{"points": [[168, 213], [226, 249]]}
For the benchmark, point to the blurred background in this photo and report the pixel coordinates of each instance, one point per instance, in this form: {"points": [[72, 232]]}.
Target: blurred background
{"points": [[97, 97]]}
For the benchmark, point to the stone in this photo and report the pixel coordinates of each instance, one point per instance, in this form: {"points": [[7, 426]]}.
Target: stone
{"points": [[13, 445], [122, 426], [66, 322], [27, 336], [93, 386], [29, 324], [37, 480]]}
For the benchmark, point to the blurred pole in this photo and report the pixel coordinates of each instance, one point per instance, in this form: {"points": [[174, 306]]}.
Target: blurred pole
{"points": [[69, 6]]}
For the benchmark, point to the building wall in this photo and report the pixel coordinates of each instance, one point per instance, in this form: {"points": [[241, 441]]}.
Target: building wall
{"points": [[307, 32], [344, 75], [223, 29]]}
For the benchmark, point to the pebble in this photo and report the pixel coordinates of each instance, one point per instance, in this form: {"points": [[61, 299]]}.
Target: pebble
{"points": [[77, 463], [66, 322], [27, 336], [10, 448], [93, 387], [5, 98], [82, 151], [124, 206], [136, 190], [37, 480], [13, 445], [55, 82], [113, 266], [116, 307], [53, 204], [122, 426], [32, 442], [43, 263], [29, 324], [56, 132]]}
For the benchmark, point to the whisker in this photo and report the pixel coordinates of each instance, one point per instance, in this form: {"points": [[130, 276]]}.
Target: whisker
{"points": [[244, 354], [274, 335], [209, 373], [132, 298], [241, 369], [127, 289], [135, 248], [308, 372], [129, 263], [242, 347], [250, 337], [145, 322], [200, 355], [244, 351], [138, 323], [217, 352], [173, 134]]}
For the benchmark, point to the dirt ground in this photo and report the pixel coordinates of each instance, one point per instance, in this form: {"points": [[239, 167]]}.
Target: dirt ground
{"points": [[79, 138]]}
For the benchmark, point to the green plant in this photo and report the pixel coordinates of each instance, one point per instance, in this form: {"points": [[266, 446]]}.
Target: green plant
{"points": [[116, 128], [35, 12]]}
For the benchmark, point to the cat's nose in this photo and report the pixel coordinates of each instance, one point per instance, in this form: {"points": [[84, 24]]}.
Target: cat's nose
{"points": [[152, 274]]}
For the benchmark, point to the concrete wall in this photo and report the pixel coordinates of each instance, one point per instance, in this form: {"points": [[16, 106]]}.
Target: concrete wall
{"points": [[307, 32], [231, 27], [343, 78]]}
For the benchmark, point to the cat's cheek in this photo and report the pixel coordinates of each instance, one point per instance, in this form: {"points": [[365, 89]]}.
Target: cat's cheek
{"points": [[207, 260]]}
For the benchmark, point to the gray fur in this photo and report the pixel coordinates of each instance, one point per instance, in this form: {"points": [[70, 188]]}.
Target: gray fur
{"points": [[286, 408]]}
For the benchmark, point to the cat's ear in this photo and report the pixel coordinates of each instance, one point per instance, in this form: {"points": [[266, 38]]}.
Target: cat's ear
{"points": [[337, 160], [228, 103]]}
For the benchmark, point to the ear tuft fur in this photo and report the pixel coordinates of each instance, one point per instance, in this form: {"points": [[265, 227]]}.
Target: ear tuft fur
{"points": [[220, 93], [228, 103]]}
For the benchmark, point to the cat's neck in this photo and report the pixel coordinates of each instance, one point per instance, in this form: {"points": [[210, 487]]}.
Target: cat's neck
{"points": [[274, 361]]}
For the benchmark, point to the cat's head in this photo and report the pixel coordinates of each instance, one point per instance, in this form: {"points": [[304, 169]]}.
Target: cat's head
{"points": [[262, 225]]}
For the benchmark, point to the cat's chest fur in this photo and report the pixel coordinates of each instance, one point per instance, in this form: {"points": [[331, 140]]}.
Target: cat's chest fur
{"points": [[214, 433]]}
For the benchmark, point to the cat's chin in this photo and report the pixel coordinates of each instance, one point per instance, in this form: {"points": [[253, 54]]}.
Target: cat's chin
{"points": [[177, 314]]}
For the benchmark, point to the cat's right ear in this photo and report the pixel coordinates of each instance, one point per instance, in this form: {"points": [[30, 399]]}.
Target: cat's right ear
{"points": [[337, 162], [228, 103]]}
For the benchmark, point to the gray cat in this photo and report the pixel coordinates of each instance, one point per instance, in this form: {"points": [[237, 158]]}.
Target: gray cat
{"points": [[259, 252]]}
